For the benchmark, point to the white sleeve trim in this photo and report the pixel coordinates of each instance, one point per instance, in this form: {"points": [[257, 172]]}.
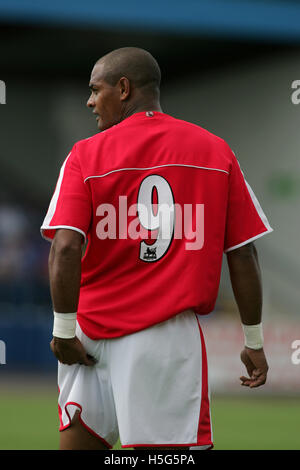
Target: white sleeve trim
{"points": [[54, 227], [269, 230], [260, 213], [258, 207], [54, 199]]}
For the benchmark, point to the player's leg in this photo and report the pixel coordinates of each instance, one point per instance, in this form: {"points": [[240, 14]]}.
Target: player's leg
{"points": [[86, 403], [77, 437]]}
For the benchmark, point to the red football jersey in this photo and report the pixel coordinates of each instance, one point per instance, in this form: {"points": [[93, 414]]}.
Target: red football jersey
{"points": [[158, 200]]}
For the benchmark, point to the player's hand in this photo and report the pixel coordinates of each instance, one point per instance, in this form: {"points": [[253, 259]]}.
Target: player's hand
{"points": [[256, 365], [71, 351]]}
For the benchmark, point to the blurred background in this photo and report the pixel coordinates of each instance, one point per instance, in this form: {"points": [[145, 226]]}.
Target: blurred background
{"points": [[227, 66]]}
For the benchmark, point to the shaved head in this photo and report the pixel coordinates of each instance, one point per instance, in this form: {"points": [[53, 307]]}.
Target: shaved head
{"points": [[124, 82], [136, 64]]}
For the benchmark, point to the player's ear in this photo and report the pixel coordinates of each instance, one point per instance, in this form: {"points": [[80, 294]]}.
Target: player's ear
{"points": [[124, 85]]}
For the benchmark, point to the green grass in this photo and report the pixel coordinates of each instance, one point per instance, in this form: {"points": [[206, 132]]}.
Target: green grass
{"points": [[29, 420], [256, 423]]}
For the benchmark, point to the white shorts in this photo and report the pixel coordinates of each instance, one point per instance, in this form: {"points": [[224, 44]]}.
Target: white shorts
{"points": [[149, 388]]}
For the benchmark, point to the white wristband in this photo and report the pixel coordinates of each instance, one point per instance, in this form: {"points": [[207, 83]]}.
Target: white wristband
{"points": [[64, 325], [253, 336]]}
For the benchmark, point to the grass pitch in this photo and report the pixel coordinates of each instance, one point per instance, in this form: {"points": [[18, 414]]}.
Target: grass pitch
{"points": [[29, 421]]}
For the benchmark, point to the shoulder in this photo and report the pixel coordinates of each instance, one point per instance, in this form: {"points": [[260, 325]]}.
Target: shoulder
{"points": [[207, 139], [84, 149], [198, 131], [89, 142], [90, 153]]}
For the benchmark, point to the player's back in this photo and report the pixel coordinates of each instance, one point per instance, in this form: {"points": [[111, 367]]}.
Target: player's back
{"points": [[152, 139], [156, 193]]}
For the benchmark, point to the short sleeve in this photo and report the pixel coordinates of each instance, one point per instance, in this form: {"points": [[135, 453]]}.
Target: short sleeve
{"points": [[245, 220], [70, 206]]}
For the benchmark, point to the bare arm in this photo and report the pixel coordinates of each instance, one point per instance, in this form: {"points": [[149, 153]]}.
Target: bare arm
{"points": [[65, 275], [246, 283], [65, 270]]}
